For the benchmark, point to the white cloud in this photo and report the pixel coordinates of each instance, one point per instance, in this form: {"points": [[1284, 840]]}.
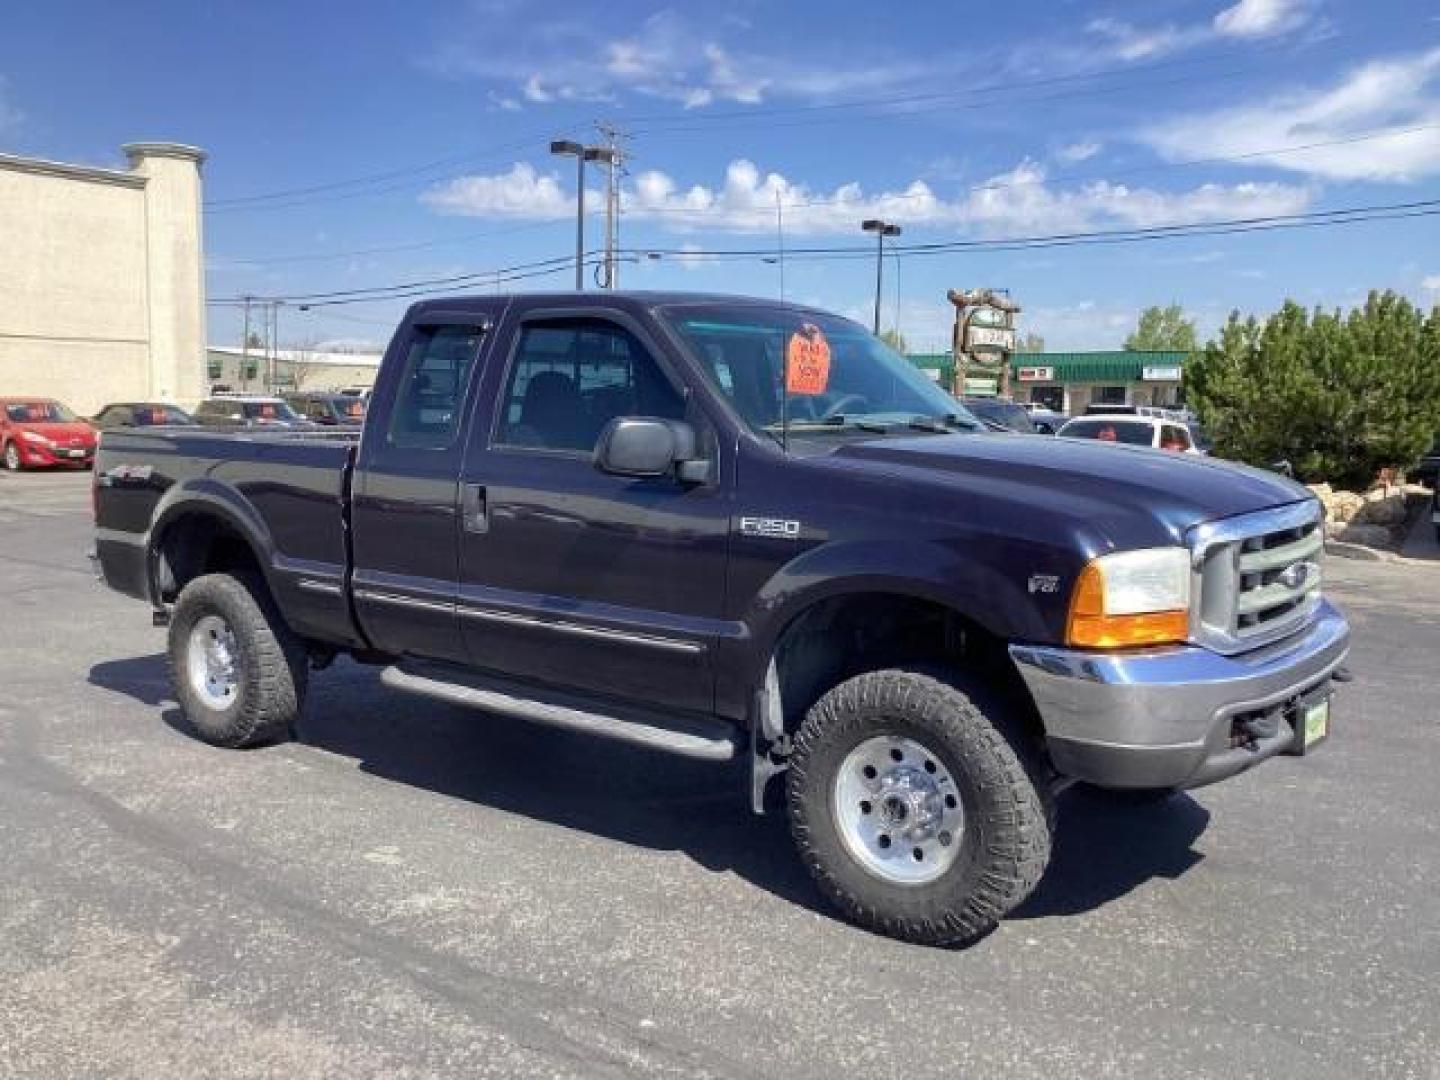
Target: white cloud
{"points": [[1078, 151], [1129, 42], [10, 114], [1018, 201], [1431, 283], [521, 192], [1262, 18], [1389, 110], [1246, 20], [666, 57]]}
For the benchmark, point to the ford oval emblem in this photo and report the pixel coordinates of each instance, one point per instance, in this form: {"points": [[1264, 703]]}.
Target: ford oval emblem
{"points": [[1296, 574]]}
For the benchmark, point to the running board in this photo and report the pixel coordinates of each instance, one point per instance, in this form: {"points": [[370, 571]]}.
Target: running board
{"points": [[709, 740]]}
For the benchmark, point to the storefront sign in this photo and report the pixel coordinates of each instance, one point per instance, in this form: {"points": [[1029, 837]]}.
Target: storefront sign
{"points": [[1170, 373], [993, 338], [1036, 374]]}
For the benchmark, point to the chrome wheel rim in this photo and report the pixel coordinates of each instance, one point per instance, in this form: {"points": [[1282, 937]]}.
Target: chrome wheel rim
{"points": [[212, 661], [898, 810]]}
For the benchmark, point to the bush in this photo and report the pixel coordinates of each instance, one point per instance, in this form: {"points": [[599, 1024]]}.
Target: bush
{"points": [[1339, 397]]}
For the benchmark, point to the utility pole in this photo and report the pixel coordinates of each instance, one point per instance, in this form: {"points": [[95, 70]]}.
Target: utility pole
{"points": [[613, 155], [245, 344], [881, 229]]}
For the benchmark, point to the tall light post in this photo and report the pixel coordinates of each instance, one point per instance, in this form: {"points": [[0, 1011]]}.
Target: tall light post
{"points": [[881, 229], [582, 154]]}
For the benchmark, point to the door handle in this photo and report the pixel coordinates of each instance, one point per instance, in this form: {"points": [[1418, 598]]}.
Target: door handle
{"points": [[472, 508]]}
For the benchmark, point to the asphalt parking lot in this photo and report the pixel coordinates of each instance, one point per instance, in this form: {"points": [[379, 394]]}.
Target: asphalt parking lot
{"points": [[412, 890]]}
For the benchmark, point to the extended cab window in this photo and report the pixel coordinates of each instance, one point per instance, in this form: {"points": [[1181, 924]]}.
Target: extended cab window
{"points": [[570, 378], [426, 414]]}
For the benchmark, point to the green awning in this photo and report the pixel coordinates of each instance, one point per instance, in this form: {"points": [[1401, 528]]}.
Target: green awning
{"points": [[1113, 366]]}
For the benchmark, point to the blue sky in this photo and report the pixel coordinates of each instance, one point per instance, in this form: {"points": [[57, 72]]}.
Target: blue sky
{"points": [[424, 127]]}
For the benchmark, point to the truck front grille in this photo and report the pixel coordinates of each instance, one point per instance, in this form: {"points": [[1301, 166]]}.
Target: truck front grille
{"points": [[1257, 577]]}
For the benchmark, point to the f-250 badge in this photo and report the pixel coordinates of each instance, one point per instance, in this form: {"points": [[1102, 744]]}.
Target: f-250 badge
{"points": [[774, 528]]}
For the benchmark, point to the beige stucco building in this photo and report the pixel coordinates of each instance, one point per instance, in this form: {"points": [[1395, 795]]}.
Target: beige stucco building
{"points": [[102, 289]]}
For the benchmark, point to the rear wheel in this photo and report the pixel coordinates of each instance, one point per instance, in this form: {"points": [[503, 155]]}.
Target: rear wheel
{"points": [[238, 671], [12, 457], [912, 810]]}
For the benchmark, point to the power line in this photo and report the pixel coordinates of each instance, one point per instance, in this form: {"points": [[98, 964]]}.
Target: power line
{"points": [[524, 271]]}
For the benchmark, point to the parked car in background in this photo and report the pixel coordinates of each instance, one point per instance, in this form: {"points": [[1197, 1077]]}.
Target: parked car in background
{"points": [[1427, 470], [248, 410], [40, 431], [329, 410], [130, 414], [1133, 430], [1047, 421], [1008, 414]]}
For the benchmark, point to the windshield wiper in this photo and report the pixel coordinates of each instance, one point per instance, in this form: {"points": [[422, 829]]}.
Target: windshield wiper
{"points": [[942, 424], [841, 420]]}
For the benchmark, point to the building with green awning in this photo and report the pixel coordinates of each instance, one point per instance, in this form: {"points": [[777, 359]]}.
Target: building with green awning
{"points": [[1069, 381]]}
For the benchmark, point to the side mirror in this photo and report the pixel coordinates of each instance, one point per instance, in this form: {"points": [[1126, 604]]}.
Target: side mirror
{"points": [[647, 446]]}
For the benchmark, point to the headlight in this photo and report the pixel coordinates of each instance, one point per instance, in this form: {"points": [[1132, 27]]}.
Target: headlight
{"points": [[35, 437], [1132, 598]]}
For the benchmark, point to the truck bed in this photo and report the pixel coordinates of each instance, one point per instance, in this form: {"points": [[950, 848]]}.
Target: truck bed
{"points": [[284, 491]]}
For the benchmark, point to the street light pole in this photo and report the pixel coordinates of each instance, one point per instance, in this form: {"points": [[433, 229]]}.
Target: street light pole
{"points": [[881, 229], [569, 146]]}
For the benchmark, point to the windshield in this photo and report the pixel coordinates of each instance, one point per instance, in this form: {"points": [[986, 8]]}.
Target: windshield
{"points": [[39, 412], [269, 410], [838, 373], [160, 416], [1001, 411], [1136, 434]]}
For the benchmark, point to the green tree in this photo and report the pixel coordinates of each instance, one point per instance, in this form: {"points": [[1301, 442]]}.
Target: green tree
{"points": [[255, 341], [895, 340], [1030, 343], [1338, 396], [1163, 330]]}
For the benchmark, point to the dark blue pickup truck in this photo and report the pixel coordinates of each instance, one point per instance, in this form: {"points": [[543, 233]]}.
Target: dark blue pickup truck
{"points": [[736, 529]]}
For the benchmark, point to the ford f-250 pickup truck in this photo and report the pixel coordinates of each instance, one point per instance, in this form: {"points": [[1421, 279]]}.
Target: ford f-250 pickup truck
{"points": [[737, 529]]}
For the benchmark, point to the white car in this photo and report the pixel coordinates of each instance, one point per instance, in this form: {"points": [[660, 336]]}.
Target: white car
{"points": [[1133, 430]]}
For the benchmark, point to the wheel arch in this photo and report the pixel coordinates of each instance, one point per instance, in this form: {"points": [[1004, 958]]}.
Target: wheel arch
{"points": [[205, 527]]}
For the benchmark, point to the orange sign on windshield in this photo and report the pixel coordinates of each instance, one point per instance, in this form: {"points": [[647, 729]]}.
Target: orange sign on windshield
{"points": [[807, 362]]}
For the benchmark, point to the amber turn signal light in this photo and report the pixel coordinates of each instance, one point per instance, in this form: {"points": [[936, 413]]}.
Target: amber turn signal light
{"points": [[1091, 626]]}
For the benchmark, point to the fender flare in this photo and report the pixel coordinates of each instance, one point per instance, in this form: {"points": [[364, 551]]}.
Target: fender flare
{"points": [[207, 497]]}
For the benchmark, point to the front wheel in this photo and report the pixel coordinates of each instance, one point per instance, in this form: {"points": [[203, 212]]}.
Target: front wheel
{"points": [[12, 457], [913, 812], [237, 670]]}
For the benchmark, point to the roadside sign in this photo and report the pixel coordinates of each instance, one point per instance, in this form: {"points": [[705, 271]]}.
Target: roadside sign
{"points": [[1161, 373], [992, 338]]}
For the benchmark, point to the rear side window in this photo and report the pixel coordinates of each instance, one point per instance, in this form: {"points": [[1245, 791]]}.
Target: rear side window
{"points": [[1107, 430], [426, 413], [571, 378], [1174, 437]]}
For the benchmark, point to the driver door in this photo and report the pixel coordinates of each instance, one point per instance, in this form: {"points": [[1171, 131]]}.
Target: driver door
{"points": [[574, 578]]}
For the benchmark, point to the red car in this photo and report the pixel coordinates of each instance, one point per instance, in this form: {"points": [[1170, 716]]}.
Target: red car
{"points": [[39, 431]]}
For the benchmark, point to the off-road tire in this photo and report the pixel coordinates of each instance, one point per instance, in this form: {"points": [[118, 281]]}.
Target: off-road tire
{"points": [[1008, 809], [11, 457], [272, 668]]}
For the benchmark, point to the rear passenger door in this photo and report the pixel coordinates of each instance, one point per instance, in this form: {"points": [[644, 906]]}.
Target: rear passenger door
{"points": [[575, 578], [405, 502]]}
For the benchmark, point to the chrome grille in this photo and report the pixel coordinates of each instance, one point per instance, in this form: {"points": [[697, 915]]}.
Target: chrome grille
{"points": [[1256, 577]]}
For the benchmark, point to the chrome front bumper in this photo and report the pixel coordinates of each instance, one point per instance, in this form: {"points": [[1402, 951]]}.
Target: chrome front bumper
{"points": [[1162, 717]]}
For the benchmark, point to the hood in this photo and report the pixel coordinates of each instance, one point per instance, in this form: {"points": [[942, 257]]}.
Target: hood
{"points": [[62, 433], [1110, 487]]}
